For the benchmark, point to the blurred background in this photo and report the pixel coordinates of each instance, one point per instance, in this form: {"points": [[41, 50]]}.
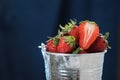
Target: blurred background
{"points": [[25, 24]]}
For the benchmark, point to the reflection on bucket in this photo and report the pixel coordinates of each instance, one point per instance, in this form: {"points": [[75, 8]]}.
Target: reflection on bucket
{"points": [[73, 66]]}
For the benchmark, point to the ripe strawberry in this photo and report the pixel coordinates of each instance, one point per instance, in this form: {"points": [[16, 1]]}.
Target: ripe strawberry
{"points": [[75, 32], [88, 32], [70, 29], [67, 28], [99, 45], [66, 44], [51, 45]]}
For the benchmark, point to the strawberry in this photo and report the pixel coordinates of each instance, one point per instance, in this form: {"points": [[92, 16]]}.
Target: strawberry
{"points": [[88, 32], [51, 45], [66, 44], [65, 30], [99, 45], [75, 32], [70, 29]]}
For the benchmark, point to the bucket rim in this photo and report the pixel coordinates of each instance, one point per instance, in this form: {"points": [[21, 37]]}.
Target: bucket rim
{"points": [[69, 54]]}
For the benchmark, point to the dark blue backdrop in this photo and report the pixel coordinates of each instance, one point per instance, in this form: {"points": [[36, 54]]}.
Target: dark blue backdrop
{"points": [[24, 24]]}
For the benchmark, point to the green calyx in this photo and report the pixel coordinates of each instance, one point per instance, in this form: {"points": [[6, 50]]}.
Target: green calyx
{"points": [[70, 40], [106, 36], [78, 50], [55, 40], [67, 28]]}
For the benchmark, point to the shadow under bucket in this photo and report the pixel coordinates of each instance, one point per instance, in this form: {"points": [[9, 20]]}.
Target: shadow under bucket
{"points": [[73, 66]]}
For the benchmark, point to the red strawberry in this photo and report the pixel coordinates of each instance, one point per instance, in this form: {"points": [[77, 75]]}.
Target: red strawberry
{"points": [[88, 32], [70, 29], [75, 32], [100, 44], [66, 44], [65, 30], [51, 45]]}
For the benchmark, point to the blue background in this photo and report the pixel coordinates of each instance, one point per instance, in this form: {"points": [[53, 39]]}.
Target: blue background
{"points": [[24, 24]]}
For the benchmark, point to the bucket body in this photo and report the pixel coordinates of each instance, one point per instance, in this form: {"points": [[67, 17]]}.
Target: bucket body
{"points": [[59, 66]]}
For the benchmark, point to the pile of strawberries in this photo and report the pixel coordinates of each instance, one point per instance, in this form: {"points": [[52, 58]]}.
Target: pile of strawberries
{"points": [[79, 38]]}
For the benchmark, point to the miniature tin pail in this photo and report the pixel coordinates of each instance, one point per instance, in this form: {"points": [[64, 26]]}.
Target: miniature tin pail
{"points": [[88, 66]]}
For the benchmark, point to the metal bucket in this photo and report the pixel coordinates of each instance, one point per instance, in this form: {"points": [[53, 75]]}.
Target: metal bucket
{"points": [[73, 66]]}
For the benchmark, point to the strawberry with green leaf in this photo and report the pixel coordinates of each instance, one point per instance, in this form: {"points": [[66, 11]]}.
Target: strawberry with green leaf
{"points": [[70, 29], [66, 44], [75, 32], [51, 45], [67, 28]]}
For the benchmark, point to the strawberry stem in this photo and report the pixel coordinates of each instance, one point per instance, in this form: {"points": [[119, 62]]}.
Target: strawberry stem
{"points": [[106, 35], [78, 50]]}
